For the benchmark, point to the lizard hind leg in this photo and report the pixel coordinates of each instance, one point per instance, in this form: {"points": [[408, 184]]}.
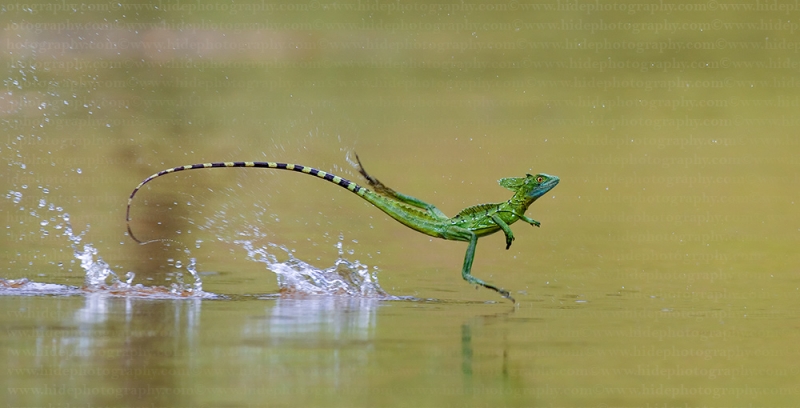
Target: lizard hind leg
{"points": [[461, 234], [383, 190]]}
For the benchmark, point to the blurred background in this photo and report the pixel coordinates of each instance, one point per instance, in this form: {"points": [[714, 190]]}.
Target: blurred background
{"points": [[673, 128]]}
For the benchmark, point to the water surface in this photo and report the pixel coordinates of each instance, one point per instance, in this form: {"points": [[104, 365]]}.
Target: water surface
{"points": [[665, 272]]}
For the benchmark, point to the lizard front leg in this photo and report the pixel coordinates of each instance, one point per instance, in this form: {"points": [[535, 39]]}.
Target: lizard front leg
{"points": [[529, 220], [524, 218], [506, 229]]}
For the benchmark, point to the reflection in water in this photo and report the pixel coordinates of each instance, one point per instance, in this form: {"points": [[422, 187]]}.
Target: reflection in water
{"points": [[466, 354], [318, 317], [325, 341], [110, 345], [100, 310], [468, 328]]}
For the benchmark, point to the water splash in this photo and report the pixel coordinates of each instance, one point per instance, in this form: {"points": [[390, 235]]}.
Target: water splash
{"points": [[24, 287], [99, 277], [296, 277]]}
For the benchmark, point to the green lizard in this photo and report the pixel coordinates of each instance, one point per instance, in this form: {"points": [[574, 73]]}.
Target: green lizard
{"points": [[468, 225]]}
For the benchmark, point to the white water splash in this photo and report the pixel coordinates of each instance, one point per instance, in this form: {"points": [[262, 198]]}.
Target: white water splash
{"points": [[294, 276], [99, 276], [344, 278]]}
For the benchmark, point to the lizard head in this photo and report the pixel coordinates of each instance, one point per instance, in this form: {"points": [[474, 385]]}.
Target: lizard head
{"points": [[530, 186]]}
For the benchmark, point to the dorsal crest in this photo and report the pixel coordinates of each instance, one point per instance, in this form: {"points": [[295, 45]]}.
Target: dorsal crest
{"points": [[476, 209]]}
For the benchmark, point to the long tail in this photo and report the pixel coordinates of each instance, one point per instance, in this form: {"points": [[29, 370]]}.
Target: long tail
{"points": [[267, 165]]}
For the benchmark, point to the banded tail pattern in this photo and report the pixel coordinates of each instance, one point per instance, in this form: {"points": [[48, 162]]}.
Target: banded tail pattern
{"points": [[267, 165]]}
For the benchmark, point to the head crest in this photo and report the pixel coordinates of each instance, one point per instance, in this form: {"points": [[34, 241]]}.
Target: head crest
{"points": [[512, 183]]}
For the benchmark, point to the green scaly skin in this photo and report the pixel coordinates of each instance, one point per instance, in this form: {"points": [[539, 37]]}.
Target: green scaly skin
{"points": [[468, 225]]}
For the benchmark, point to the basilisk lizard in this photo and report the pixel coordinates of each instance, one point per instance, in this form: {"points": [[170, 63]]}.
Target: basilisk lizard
{"points": [[468, 225]]}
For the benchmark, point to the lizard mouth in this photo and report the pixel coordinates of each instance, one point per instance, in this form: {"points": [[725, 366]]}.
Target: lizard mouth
{"points": [[543, 188]]}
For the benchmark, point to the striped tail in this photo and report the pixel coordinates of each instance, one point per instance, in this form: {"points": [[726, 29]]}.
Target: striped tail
{"points": [[267, 165]]}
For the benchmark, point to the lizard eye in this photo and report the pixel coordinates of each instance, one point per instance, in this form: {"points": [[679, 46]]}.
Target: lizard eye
{"points": [[539, 179]]}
